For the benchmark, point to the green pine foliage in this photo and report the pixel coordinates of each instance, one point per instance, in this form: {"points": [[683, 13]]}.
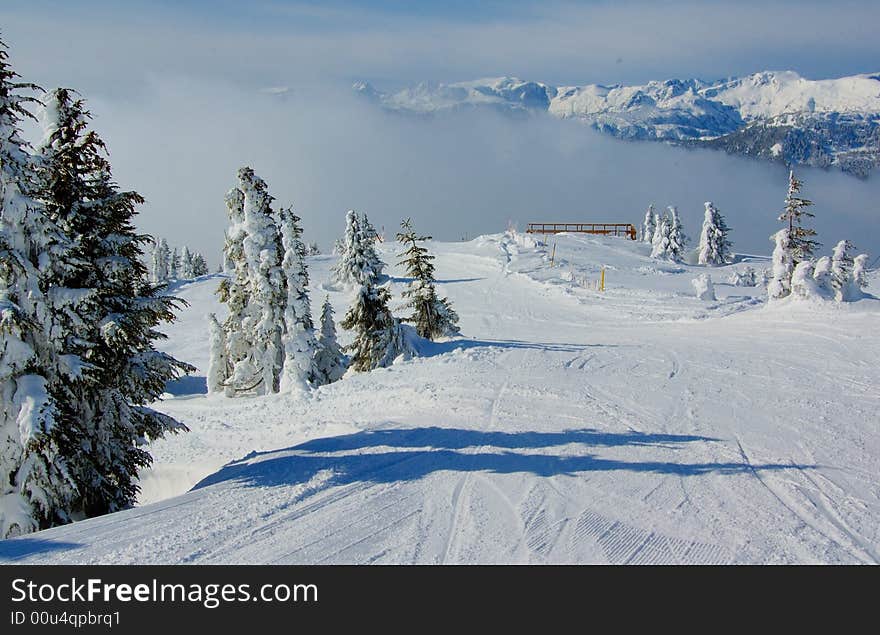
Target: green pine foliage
{"points": [[803, 245], [377, 332], [109, 315], [431, 316]]}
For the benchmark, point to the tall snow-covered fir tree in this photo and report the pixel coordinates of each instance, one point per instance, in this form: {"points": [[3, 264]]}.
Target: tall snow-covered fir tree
{"points": [[677, 238], [160, 256], [370, 237], [431, 316], [783, 266], [379, 336], [264, 324], [105, 311], [358, 260], [847, 273], [803, 245], [36, 489], [648, 225], [235, 292], [199, 265], [714, 245], [660, 245], [174, 265], [218, 366], [330, 361], [300, 345], [859, 276], [350, 265], [186, 264]]}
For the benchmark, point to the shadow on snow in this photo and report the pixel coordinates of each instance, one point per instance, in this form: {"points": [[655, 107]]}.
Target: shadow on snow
{"points": [[20, 547], [405, 280], [436, 449], [427, 348], [188, 385]]}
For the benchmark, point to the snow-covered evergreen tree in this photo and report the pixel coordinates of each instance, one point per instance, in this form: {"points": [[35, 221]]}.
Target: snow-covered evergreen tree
{"points": [[714, 245], [160, 256], [796, 210], [36, 489], [432, 316], [367, 230], [648, 226], [106, 312], [677, 238], [371, 237], [748, 277], [660, 245], [174, 265], [300, 345], [704, 287], [186, 264], [218, 366], [312, 249], [264, 324], [822, 276], [842, 265], [199, 265], [859, 276], [783, 266], [330, 361], [235, 292], [358, 261], [379, 336], [803, 284]]}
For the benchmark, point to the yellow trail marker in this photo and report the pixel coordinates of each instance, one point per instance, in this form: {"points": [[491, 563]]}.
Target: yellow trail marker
{"points": [[602, 280], [553, 255]]}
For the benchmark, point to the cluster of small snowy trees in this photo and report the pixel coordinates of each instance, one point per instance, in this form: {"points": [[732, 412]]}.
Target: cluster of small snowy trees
{"points": [[666, 236], [78, 318], [168, 264], [267, 343], [795, 273], [379, 336]]}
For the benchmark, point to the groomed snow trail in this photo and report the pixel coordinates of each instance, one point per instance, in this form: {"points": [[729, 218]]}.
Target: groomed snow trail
{"points": [[637, 426]]}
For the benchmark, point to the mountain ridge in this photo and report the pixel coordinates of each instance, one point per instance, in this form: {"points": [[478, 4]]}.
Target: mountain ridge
{"points": [[773, 115]]}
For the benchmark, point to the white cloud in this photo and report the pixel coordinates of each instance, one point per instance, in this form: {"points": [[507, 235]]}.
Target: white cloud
{"points": [[325, 152]]}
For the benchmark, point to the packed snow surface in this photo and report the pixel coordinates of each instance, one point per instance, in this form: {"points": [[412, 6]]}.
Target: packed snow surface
{"points": [[568, 425]]}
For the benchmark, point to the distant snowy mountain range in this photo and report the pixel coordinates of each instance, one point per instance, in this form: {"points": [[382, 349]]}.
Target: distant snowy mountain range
{"points": [[779, 116]]}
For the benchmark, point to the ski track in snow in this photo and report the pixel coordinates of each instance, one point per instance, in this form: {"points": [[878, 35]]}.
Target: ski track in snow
{"points": [[635, 426]]}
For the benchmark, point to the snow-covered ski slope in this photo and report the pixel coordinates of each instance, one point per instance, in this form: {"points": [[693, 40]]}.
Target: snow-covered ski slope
{"points": [[639, 425]]}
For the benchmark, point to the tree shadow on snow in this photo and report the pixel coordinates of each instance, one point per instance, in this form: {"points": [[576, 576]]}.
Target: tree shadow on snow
{"points": [[404, 280], [189, 385], [456, 439], [16, 548], [436, 449], [427, 348]]}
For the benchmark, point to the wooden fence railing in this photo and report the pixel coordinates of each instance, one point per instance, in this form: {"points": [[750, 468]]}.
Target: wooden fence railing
{"points": [[606, 229]]}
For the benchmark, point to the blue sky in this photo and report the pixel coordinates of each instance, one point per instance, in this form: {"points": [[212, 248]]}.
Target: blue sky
{"points": [[102, 45]]}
